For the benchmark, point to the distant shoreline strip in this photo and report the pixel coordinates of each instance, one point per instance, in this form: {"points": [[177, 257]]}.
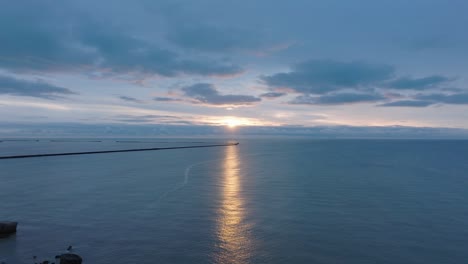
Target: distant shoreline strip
{"points": [[113, 151], [132, 141]]}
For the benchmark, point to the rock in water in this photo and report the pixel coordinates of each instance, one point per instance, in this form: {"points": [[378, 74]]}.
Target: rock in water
{"points": [[70, 259], [8, 228]]}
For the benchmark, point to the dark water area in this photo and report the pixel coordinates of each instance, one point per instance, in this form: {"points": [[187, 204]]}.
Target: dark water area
{"points": [[263, 201]]}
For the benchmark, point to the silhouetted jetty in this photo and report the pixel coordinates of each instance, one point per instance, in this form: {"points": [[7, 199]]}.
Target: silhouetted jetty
{"points": [[75, 141], [8, 228], [173, 142], [114, 151]]}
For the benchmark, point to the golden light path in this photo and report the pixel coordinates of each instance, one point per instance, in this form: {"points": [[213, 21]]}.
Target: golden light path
{"points": [[233, 234]]}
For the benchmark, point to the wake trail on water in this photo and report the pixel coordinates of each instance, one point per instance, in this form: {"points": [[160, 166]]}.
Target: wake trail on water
{"points": [[189, 168], [183, 183]]}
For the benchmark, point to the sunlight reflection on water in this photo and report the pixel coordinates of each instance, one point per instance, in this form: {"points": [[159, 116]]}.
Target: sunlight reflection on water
{"points": [[233, 234]]}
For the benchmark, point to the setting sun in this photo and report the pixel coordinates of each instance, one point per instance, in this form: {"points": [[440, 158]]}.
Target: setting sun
{"points": [[233, 122]]}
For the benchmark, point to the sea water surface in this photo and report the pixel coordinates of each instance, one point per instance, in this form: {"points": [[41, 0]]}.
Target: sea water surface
{"points": [[263, 201]]}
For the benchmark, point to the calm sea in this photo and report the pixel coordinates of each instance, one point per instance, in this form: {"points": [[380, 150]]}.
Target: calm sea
{"points": [[263, 201]]}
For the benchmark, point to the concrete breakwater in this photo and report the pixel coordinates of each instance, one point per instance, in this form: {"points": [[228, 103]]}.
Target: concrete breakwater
{"points": [[113, 151]]}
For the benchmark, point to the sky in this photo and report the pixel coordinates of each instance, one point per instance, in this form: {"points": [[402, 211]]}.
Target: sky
{"points": [[236, 64]]}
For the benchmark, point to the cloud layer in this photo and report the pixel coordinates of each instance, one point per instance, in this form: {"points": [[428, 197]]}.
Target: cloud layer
{"points": [[322, 76], [129, 99], [36, 38], [424, 83], [180, 58], [36, 88], [337, 99], [328, 82], [408, 103], [207, 94]]}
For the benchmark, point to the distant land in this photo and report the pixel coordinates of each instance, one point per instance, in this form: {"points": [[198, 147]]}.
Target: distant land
{"points": [[75, 130]]}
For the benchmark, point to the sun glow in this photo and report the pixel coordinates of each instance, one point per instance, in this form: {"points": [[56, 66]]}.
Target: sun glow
{"points": [[233, 122]]}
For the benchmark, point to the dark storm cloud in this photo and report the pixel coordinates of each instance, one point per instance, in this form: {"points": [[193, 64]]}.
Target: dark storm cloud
{"points": [[271, 95], [408, 103], [460, 98], [49, 36], [418, 83], [322, 76], [337, 99], [130, 99], [206, 93], [37, 88]]}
